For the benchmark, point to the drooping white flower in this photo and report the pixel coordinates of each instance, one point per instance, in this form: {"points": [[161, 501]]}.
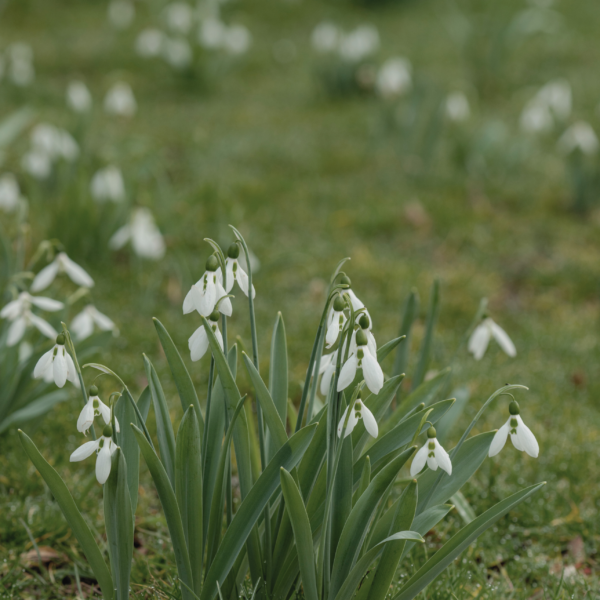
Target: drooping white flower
{"points": [[580, 136], [79, 98], [145, 237], [361, 358], [179, 17], [57, 365], [237, 39], [204, 295], [107, 184], [25, 352], [94, 407], [121, 13], [480, 338], [394, 77], [457, 107], [105, 447], [177, 52], [336, 321], [61, 264], [520, 435], [536, 117], [327, 370], [149, 42], [54, 142], [234, 271], [433, 454], [82, 325], [198, 342], [211, 33], [359, 43], [10, 193], [37, 164], [119, 100], [359, 411], [557, 96], [364, 321], [325, 37]]}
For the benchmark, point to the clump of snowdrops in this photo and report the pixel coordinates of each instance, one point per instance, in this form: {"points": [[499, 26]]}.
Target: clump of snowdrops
{"points": [[329, 512]]}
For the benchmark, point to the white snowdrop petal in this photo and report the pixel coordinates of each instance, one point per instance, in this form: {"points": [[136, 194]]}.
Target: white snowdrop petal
{"points": [[188, 302], [369, 421], [102, 320], [499, 440], [43, 326], [76, 273], [326, 380], [45, 277], [229, 271], [526, 439], [372, 372], [432, 462], [86, 417], [356, 303], [71, 371], [243, 281], [84, 451], [419, 461], [198, 343], [47, 304], [43, 364], [443, 458], [11, 310], [479, 341], [333, 330], [60, 368], [16, 331], [348, 373], [516, 442], [82, 325], [341, 423], [503, 340], [225, 306], [219, 337], [120, 238], [205, 300], [104, 410], [103, 462]]}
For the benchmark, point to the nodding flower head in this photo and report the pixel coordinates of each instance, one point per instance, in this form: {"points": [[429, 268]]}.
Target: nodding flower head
{"points": [[363, 358], [94, 407], [234, 272], [359, 411], [57, 365], [198, 342], [207, 292], [480, 338], [336, 321], [105, 447], [521, 436], [433, 454]]}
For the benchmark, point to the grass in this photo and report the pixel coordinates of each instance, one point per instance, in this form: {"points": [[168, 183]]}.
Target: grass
{"points": [[308, 180]]}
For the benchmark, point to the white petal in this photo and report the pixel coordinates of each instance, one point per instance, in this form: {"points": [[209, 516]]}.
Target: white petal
{"points": [[372, 372], [348, 373], [198, 343], [325, 362], [419, 460], [229, 262], [16, 331], [43, 326], [60, 367], [516, 442], [219, 337], [188, 302], [479, 341], [12, 310], [103, 322], [370, 422], [356, 303], [352, 421], [46, 303], [84, 451], [82, 325], [432, 462], [72, 375], [333, 330], [503, 340], [499, 439], [527, 439], [45, 277], [103, 462], [76, 273], [120, 238], [442, 458], [103, 410], [341, 423], [42, 365], [372, 344], [326, 380], [86, 417], [225, 306]]}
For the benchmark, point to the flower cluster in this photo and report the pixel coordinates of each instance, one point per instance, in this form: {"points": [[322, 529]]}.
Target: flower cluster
{"points": [[48, 145]]}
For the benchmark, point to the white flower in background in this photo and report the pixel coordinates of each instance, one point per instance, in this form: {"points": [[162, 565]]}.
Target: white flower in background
{"points": [[149, 42], [457, 107], [94, 407], [211, 33], [359, 411], [361, 358], [79, 98], [10, 193], [54, 142], [198, 342], [57, 365], [20, 67], [520, 435], [25, 352], [61, 264], [580, 136], [82, 325], [433, 454], [179, 17], [325, 37], [119, 100], [359, 44], [177, 52], [104, 447], [327, 369], [536, 117], [394, 77], [107, 184], [237, 39], [37, 164], [121, 13], [557, 96], [145, 237], [235, 273], [204, 295], [18, 312], [336, 321], [480, 338]]}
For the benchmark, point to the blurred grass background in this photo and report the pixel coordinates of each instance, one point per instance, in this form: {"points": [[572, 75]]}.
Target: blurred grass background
{"points": [[309, 179]]}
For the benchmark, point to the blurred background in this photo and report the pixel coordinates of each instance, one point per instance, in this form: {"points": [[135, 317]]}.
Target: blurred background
{"points": [[455, 140]]}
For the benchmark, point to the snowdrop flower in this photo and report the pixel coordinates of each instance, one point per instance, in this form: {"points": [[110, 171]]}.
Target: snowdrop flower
{"points": [[520, 435], [394, 77], [57, 365], [105, 447], [107, 184], [21, 70], [325, 37], [557, 96], [237, 39], [25, 352], [82, 325], [121, 13], [433, 454], [61, 264], [364, 323], [37, 164], [480, 338], [177, 52], [457, 107], [356, 303], [327, 370], [10, 193], [359, 411], [336, 321], [360, 43], [119, 100], [54, 142], [536, 117], [198, 342], [179, 17], [149, 42], [79, 97], [19, 313], [212, 33], [146, 239], [94, 407], [205, 294], [580, 136], [234, 270], [361, 358]]}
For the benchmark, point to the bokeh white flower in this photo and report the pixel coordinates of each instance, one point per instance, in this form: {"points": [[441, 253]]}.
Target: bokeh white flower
{"points": [[79, 97], [457, 107], [149, 42], [10, 192], [61, 264], [580, 136], [119, 100], [83, 323], [394, 77], [121, 13], [143, 234], [483, 333], [108, 184]]}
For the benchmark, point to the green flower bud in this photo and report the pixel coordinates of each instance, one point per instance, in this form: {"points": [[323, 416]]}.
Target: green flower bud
{"points": [[60, 340], [214, 316], [364, 322], [233, 251], [361, 338], [93, 390], [212, 263], [107, 431], [513, 408], [338, 304], [431, 432], [345, 280]]}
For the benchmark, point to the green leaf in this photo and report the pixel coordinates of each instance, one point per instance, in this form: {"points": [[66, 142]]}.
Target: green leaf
{"points": [[387, 348], [72, 515], [426, 521], [342, 493], [365, 480], [171, 508], [302, 534], [463, 507], [425, 354], [119, 524], [410, 314], [252, 507], [34, 409], [164, 427], [278, 380], [453, 547], [188, 489]]}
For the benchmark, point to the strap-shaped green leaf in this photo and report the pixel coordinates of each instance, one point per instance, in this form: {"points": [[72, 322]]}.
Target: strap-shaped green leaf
{"points": [[33, 410], [278, 379], [426, 521], [302, 534], [410, 312], [384, 350], [72, 515], [453, 547], [427, 343]]}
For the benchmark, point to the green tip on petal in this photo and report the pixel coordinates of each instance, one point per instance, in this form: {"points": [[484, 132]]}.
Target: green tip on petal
{"points": [[339, 304], [107, 431], [60, 340], [233, 251], [361, 338], [214, 316], [364, 322], [431, 433], [212, 263], [345, 280], [93, 390], [513, 408]]}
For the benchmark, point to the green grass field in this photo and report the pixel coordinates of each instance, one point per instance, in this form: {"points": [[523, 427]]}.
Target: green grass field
{"points": [[308, 178]]}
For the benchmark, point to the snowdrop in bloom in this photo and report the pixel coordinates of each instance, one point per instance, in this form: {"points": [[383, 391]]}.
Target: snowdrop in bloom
{"points": [[57, 365], [235, 273], [205, 294], [356, 303], [237, 39], [37, 164], [325, 37], [179, 17], [433, 454], [107, 184], [557, 96], [121, 13], [536, 117], [520, 435], [365, 324], [580, 136], [198, 342], [394, 77], [149, 43], [10, 193], [18, 312], [61, 264], [145, 237], [54, 142], [82, 325], [361, 358], [211, 33], [480, 338], [177, 52], [359, 411], [105, 447], [457, 107], [94, 407], [336, 321], [359, 44], [327, 370], [119, 100], [79, 98]]}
